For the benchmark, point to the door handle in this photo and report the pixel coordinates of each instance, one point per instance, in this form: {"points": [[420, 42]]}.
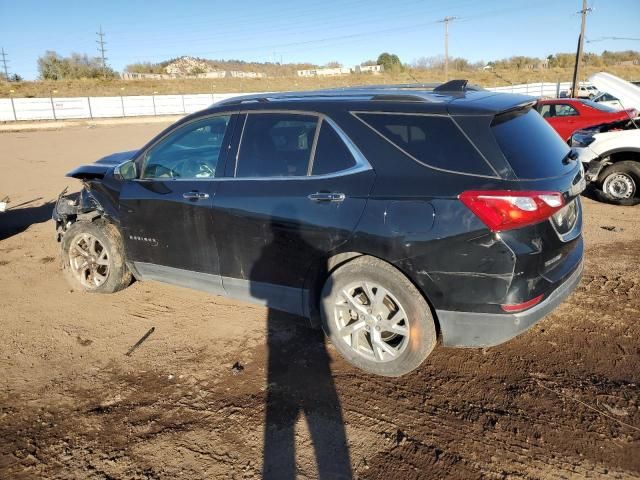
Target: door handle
{"points": [[193, 195], [327, 197]]}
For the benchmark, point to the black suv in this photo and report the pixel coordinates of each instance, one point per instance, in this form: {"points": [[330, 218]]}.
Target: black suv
{"points": [[392, 216]]}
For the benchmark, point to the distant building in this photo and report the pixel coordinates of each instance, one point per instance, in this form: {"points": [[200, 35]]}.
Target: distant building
{"points": [[331, 72], [323, 72], [628, 63], [374, 69], [214, 74], [173, 76], [240, 74]]}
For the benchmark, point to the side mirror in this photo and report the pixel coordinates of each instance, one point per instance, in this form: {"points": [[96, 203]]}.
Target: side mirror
{"points": [[126, 171]]}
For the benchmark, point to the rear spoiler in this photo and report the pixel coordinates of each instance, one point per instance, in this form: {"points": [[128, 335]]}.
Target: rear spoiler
{"points": [[512, 112]]}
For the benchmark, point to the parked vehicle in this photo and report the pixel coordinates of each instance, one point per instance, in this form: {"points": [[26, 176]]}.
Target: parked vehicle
{"points": [[391, 216], [627, 94], [608, 100], [610, 154], [585, 91], [568, 115]]}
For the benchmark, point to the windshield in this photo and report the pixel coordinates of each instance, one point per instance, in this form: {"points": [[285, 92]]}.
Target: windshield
{"points": [[599, 106]]}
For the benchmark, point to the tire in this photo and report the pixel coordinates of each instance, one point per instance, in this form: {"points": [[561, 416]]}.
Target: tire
{"points": [[399, 317], [94, 267], [620, 183]]}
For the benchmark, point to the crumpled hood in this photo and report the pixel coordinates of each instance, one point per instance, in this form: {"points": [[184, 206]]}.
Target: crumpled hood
{"points": [[102, 166]]}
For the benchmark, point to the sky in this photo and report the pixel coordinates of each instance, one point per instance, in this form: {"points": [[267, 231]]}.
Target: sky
{"points": [[347, 31]]}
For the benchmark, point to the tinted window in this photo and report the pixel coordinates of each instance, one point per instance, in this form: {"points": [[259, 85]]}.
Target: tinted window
{"points": [[545, 111], [564, 110], [332, 155], [598, 106], [192, 151], [531, 146], [434, 141], [276, 145]]}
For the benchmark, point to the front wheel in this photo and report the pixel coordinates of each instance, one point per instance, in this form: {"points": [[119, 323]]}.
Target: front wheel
{"points": [[376, 318], [93, 257], [620, 183]]}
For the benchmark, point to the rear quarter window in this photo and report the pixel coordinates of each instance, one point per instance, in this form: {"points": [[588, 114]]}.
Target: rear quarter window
{"points": [[532, 147], [434, 141]]}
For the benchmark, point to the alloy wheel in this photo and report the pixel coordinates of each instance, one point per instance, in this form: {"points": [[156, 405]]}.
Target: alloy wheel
{"points": [[89, 261], [371, 320]]}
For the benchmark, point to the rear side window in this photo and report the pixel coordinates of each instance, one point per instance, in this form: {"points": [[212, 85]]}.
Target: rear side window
{"points": [[332, 155], [276, 145], [564, 110], [532, 148], [434, 141]]}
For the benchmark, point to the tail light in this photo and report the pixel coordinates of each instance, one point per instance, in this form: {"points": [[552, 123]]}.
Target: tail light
{"points": [[505, 210], [519, 307]]}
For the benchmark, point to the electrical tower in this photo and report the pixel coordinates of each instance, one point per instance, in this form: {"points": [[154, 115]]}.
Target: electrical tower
{"points": [[576, 69], [4, 63], [101, 43], [446, 21]]}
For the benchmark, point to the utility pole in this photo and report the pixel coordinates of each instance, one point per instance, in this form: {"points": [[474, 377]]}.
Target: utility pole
{"points": [[4, 63], [101, 43], [576, 69], [446, 21]]}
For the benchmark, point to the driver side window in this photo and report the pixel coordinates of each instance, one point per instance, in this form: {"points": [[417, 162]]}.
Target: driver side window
{"points": [[191, 152]]}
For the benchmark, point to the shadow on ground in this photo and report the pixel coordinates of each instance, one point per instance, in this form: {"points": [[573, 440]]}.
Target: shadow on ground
{"points": [[17, 219]]}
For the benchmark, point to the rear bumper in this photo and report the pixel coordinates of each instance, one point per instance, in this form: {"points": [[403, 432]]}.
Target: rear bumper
{"points": [[470, 329]]}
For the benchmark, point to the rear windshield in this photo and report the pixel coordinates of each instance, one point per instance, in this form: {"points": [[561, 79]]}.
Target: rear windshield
{"points": [[434, 141], [599, 106], [532, 148]]}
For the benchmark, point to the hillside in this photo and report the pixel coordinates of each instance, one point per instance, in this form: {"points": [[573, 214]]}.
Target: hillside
{"points": [[99, 87]]}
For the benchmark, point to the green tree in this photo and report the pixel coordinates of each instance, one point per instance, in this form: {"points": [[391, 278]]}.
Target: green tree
{"points": [[52, 66], [390, 62]]}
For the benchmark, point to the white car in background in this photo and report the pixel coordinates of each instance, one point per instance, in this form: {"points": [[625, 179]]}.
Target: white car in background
{"points": [[610, 155], [609, 100]]}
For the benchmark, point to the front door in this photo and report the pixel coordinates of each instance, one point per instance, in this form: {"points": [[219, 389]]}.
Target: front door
{"points": [[297, 193], [166, 212]]}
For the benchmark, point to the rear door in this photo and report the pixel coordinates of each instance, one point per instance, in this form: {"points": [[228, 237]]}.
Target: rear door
{"points": [[565, 119], [166, 212], [295, 193]]}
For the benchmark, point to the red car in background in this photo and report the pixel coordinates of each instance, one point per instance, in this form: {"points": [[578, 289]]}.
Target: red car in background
{"points": [[566, 115]]}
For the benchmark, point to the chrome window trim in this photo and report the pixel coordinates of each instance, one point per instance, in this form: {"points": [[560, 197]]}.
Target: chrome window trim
{"points": [[355, 115], [361, 163], [143, 155]]}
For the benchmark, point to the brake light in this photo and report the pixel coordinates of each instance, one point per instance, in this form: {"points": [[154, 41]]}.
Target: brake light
{"points": [[504, 209], [518, 307]]}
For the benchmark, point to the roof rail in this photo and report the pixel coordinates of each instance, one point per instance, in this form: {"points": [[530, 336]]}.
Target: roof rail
{"points": [[398, 98], [241, 100]]}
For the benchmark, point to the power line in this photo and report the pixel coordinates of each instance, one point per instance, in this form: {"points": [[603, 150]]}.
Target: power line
{"points": [[101, 43], [602, 39], [446, 21], [576, 70], [4, 62]]}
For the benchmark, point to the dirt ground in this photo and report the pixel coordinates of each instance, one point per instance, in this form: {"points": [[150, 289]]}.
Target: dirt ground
{"points": [[223, 389]]}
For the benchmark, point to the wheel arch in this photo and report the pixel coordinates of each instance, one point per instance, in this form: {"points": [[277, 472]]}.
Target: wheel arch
{"points": [[319, 272]]}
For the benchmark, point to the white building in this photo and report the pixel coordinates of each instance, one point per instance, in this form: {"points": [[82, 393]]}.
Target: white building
{"points": [[374, 69], [324, 72]]}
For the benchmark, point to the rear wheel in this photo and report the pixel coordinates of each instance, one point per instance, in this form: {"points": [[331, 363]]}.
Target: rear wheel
{"points": [[620, 183], [93, 257], [376, 318]]}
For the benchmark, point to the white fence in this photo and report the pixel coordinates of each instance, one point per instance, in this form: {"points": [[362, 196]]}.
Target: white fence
{"points": [[62, 108], [540, 89]]}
